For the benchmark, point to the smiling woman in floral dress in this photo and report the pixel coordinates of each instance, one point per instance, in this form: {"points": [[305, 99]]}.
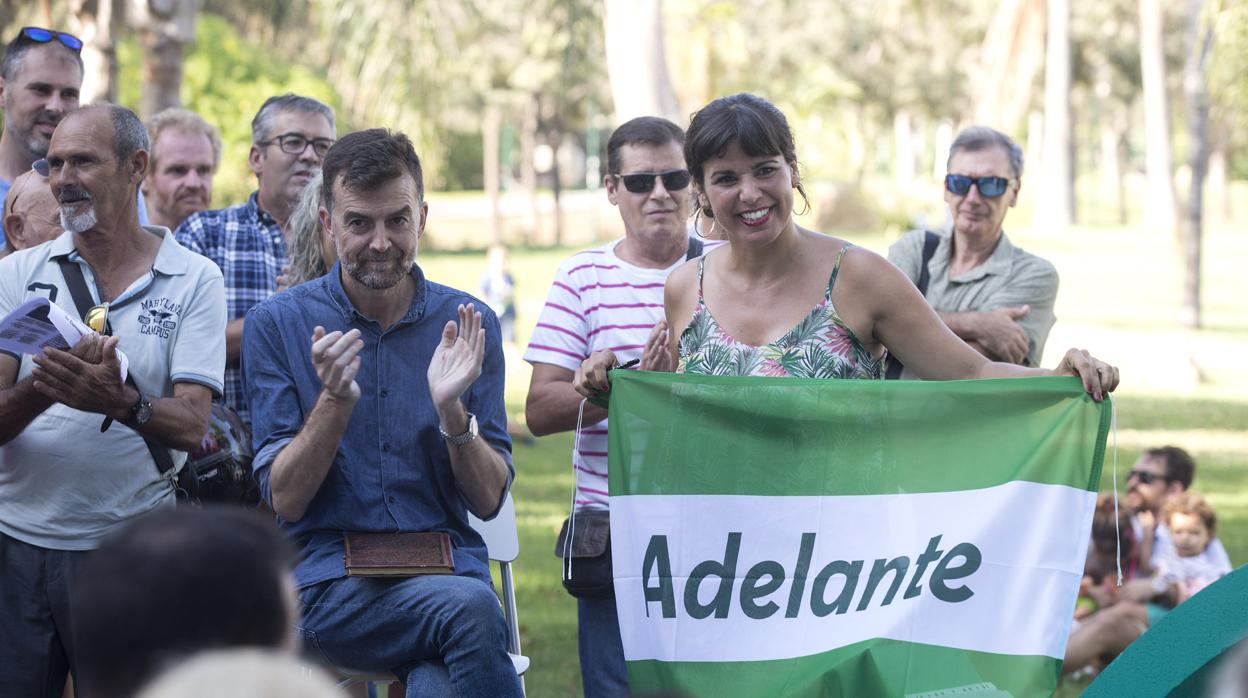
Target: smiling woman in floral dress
{"points": [[780, 300]]}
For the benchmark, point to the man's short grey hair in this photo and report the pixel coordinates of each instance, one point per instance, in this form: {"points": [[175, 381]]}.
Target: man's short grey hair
{"points": [[186, 121], [973, 139], [263, 123], [129, 134]]}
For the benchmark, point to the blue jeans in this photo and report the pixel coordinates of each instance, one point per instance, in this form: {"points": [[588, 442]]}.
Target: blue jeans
{"points": [[603, 674], [36, 636], [401, 625]]}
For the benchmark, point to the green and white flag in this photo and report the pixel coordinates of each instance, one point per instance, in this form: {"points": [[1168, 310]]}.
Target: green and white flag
{"points": [[789, 537]]}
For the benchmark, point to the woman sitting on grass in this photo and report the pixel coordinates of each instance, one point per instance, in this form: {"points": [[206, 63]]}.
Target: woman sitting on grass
{"points": [[780, 300]]}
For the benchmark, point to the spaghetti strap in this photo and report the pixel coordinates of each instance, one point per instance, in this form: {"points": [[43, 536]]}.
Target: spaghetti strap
{"points": [[701, 266], [835, 270]]}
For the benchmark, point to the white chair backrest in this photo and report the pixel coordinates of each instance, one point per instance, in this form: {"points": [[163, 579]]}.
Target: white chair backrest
{"points": [[499, 532]]}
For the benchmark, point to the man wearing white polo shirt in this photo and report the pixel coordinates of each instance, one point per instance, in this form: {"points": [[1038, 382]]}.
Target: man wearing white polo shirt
{"points": [[79, 448], [610, 297]]}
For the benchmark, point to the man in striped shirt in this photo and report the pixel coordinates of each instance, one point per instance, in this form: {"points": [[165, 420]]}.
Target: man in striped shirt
{"points": [[610, 297]]}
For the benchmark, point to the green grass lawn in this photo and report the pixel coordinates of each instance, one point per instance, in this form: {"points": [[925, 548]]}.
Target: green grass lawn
{"points": [[1120, 286]]}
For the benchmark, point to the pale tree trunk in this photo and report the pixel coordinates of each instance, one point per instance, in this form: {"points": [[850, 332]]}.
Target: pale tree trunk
{"points": [[489, 131], [1009, 57], [1112, 135], [903, 147], [165, 28], [1159, 200], [940, 150], [637, 60], [1199, 39], [1056, 211], [98, 23], [528, 169], [1218, 183]]}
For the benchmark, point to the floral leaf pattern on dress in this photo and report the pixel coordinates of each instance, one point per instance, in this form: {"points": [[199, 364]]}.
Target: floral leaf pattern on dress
{"points": [[820, 346]]}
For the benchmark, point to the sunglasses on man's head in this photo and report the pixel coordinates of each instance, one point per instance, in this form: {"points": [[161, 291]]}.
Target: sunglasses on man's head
{"points": [[43, 36], [643, 182], [991, 187], [1145, 477]]}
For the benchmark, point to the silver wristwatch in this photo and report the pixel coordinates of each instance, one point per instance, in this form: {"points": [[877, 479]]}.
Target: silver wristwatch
{"points": [[463, 438]]}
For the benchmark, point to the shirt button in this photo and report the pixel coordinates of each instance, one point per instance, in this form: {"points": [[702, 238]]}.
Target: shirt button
{"points": [[385, 448], [392, 500], [385, 392]]}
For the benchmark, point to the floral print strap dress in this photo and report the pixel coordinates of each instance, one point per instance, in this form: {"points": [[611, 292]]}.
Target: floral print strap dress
{"points": [[820, 346]]}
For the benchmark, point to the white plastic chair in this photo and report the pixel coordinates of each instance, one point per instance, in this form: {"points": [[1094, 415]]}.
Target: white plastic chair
{"points": [[503, 545]]}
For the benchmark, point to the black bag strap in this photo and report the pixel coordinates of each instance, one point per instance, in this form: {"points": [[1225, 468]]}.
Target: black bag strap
{"points": [[930, 242], [82, 299], [695, 248]]}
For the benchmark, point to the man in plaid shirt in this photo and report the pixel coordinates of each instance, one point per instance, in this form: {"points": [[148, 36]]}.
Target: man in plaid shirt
{"points": [[289, 137]]}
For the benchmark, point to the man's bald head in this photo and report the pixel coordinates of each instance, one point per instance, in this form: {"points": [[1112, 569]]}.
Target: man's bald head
{"points": [[31, 215]]}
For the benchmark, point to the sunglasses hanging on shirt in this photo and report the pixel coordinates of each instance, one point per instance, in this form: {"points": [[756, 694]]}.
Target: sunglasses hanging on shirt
{"points": [[990, 187]]}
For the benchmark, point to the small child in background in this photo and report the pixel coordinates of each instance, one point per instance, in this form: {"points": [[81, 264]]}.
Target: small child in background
{"points": [[1100, 573], [1191, 563]]}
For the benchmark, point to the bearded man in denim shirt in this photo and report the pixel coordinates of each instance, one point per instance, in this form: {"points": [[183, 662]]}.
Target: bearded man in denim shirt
{"points": [[377, 406]]}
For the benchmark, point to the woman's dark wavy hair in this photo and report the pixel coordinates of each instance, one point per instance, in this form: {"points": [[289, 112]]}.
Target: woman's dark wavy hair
{"points": [[749, 120]]}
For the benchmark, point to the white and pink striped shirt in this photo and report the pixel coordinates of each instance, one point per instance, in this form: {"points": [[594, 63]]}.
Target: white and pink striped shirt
{"points": [[597, 301]]}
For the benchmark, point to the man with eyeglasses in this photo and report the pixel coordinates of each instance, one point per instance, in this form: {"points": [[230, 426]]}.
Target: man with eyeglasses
{"points": [[998, 298], [611, 297], [83, 449], [39, 81], [1157, 475], [290, 136]]}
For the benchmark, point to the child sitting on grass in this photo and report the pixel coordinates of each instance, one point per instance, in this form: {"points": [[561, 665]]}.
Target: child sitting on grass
{"points": [[1192, 563], [1110, 539]]}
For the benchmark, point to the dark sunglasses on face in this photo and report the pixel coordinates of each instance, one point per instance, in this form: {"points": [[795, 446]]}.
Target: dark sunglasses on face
{"points": [[1145, 477], [643, 182], [991, 187], [43, 36], [295, 143]]}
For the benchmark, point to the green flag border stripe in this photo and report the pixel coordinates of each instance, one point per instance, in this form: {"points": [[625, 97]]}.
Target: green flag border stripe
{"points": [[747, 477], [872, 667]]}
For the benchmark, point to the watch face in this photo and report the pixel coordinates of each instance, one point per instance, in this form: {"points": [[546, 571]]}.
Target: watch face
{"points": [[142, 411]]}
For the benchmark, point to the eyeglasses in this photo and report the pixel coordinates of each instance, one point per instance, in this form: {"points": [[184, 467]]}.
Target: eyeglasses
{"points": [[295, 143], [1145, 477], [97, 318], [43, 36], [991, 187], [643, 182]]}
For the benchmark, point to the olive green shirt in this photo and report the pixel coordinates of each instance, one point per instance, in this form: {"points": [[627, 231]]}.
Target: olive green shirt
{"points": [[1009, 278]]}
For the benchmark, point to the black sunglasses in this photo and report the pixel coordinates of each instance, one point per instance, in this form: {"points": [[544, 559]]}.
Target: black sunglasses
{"points": [[991, 187], [295, 143], [43, 36], [643, 182], [1145, 477]]}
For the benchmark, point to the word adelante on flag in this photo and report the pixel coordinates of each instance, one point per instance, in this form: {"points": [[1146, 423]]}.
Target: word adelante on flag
{"points": [[763, 579], [790, 537]]}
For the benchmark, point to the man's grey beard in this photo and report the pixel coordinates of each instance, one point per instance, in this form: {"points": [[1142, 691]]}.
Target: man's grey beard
{"points": [[79, 223], [380, 281]]}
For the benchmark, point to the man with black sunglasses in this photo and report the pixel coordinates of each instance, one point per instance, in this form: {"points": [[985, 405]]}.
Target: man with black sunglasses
{"points": [[611, 297], [998, 298], [290, 136], [40, 77]]}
